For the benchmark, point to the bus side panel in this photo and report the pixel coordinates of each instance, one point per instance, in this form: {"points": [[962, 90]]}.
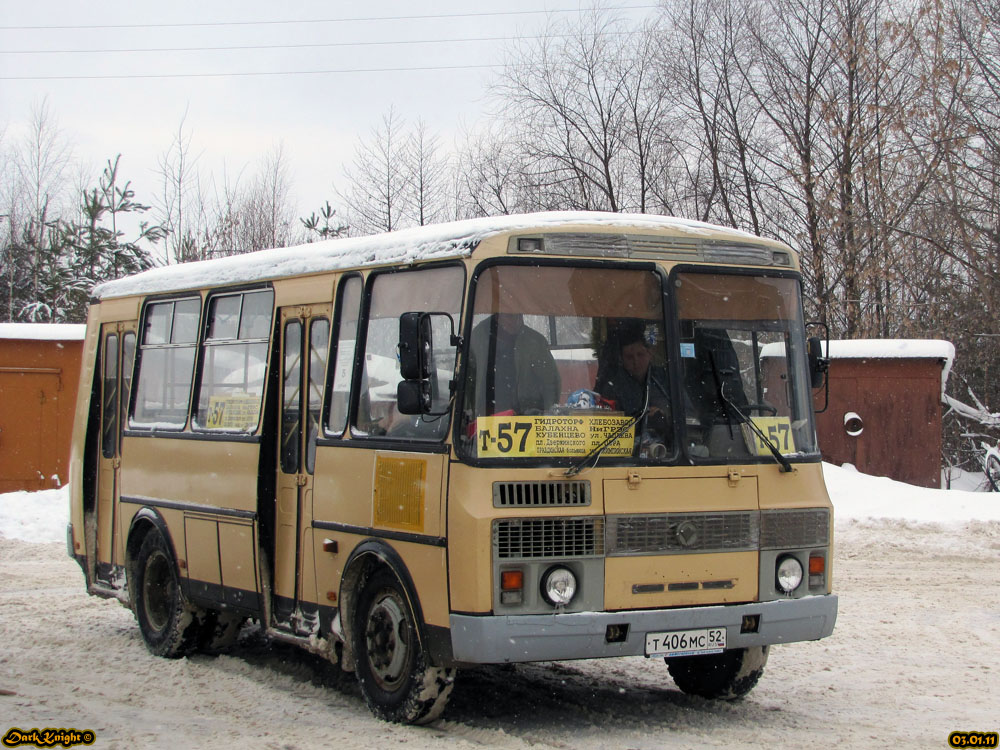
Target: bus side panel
{"points": [[345, 495], [198, 476]]}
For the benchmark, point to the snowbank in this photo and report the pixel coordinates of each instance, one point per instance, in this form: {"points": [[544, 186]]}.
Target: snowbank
{"points": [[859, 496], [35, 516]]}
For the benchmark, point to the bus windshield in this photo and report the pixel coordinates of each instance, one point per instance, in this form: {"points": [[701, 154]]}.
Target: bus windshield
{"points": [[565, 362], [743, 365]]}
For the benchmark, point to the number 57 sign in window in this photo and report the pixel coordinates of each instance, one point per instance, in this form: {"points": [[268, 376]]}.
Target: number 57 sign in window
{"points": [[778, 431]]}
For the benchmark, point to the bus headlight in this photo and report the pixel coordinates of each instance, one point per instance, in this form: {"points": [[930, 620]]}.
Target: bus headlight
{"points": [[788, 574], [558, 586]]}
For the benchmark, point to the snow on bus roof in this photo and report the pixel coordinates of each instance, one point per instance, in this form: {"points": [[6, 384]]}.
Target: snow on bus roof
{"points": [[436, 241], [43, 331]]}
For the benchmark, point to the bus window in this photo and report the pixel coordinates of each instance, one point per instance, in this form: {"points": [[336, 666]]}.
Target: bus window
{"points": [[741, 351], [166, 364], [319, 346], [560, 356], [291, 397], [349, 310], [109, 435], [234, 361], [430, 290]]}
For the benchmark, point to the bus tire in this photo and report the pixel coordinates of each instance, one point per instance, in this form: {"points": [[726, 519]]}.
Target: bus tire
{"points": [[168, 622], [396, 680], [726, 676]]}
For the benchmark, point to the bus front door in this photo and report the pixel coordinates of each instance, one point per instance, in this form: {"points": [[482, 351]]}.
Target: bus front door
{"points": [[117, 353], [305, 337]]}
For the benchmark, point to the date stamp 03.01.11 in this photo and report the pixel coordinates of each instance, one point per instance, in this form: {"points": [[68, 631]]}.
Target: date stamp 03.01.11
{"points": [[972, 739]]}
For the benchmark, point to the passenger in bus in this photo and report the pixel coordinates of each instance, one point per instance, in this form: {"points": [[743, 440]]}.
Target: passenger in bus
{"points": [[518, 374], [628, 375]]}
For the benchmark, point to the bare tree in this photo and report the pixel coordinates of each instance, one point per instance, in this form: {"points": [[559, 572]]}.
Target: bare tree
{"points": [[488, 173], [427, 173], [377, 179], [254, 214], [179, 207], [35, 192], [567, 93]]}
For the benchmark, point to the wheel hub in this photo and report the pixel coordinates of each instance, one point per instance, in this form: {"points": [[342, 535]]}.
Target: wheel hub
{"points": [[157, 591], [386, 637]]}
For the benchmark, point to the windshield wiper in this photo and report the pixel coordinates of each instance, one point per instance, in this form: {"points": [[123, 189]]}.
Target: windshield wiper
{"points": [[595, 454], [783, 462]]}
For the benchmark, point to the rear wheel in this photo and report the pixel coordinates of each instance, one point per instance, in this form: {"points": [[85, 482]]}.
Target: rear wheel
{"points": [[726, 676], [169, 624], [396, 680]]}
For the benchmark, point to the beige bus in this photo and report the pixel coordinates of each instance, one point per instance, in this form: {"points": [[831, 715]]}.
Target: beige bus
{"points": [[528, 438]]}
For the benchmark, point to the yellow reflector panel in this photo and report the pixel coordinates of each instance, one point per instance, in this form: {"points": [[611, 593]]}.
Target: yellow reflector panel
{"points": [[399, 493]]}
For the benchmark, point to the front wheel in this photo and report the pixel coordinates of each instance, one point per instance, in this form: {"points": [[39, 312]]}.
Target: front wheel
{"points": [[169, 624], [726, 676], [396, 681]]}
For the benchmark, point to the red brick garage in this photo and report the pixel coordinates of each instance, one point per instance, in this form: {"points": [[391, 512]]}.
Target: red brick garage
{"points": [[884, 414], [39, 373]]}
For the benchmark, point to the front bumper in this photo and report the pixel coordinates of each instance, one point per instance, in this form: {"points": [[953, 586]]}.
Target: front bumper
{"points": [[581, 635]]}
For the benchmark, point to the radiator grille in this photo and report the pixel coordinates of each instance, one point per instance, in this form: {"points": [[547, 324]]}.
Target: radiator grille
{"points": [[540, 494], [794, 529], [539, 538], [677, 533]]}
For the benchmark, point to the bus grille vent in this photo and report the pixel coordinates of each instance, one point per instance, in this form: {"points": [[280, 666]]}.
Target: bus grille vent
{"points": [[794, 529], [540, 538], [678, 533], [540, 494]]}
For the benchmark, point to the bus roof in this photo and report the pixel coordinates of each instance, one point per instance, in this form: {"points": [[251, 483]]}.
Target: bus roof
{"points": [[433, 242]]}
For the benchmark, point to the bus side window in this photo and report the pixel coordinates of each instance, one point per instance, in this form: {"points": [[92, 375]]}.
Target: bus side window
{"points": [[426, 290], [234, 360], [345, 341], [109, 435], [166, 364]]}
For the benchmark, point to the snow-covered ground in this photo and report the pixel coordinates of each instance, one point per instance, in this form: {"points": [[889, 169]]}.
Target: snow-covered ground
{"points": [[913, 657]]}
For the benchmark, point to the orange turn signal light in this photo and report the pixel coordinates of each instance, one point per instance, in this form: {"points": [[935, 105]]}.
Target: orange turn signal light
{"points": [[817, 565], [511, 580]]}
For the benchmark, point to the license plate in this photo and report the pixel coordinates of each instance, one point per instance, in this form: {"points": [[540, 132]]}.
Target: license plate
{"points": [[686, 642]]}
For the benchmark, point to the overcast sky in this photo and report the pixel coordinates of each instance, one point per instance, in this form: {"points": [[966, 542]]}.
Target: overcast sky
{"points": [[315, 99]]}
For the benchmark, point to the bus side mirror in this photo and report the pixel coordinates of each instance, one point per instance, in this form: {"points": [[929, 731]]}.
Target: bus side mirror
{"points": [[420, 391], [415, 346], [413, 397], [818, 364]]}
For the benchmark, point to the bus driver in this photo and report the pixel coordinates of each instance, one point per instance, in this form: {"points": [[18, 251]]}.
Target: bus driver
{"points": [[627, 380]]}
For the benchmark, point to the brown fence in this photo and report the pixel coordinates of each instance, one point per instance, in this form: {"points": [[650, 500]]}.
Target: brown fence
{"points": [[39, 373]]}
